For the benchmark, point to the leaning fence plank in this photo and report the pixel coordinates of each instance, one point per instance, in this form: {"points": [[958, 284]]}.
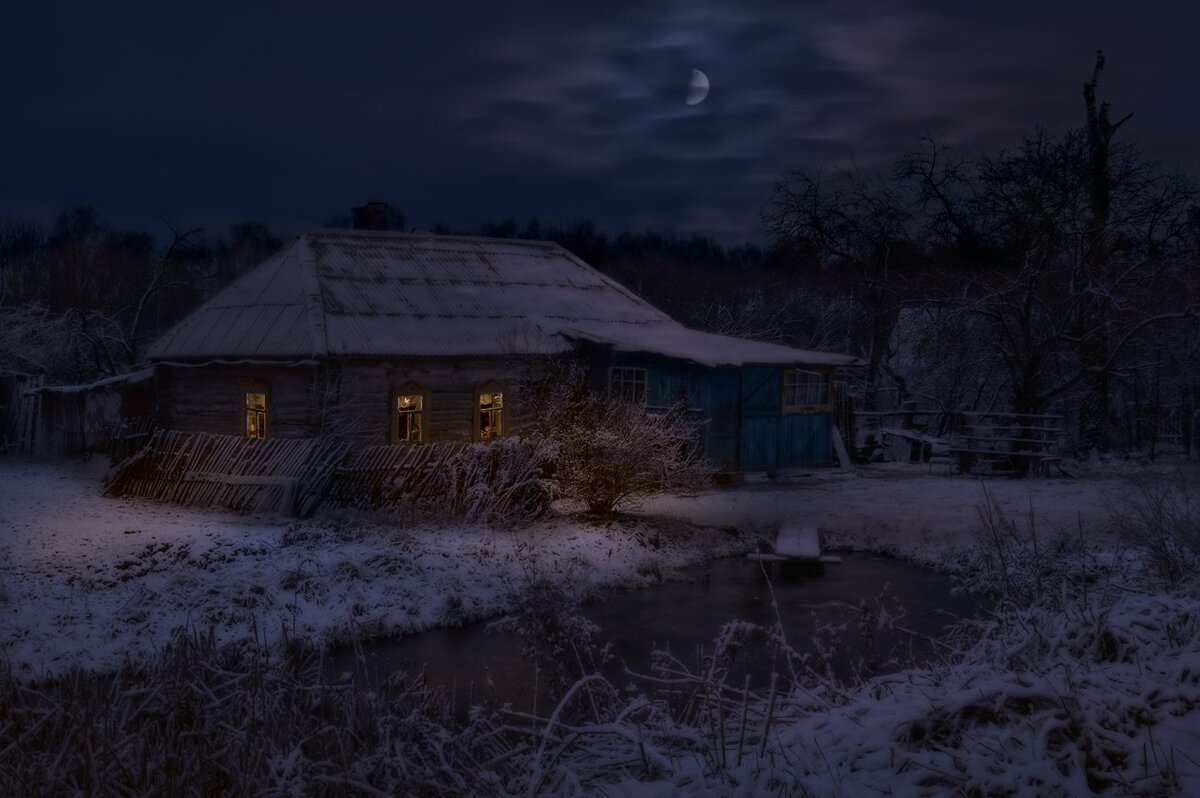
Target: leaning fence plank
{"points": [[299, 475]]}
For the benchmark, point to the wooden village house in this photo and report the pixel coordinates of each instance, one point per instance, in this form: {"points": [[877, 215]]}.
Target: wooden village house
{"points": [[385, 337]]}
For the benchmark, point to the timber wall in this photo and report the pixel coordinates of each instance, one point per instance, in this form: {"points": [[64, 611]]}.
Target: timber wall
{"points": [[210, 398], [350, 399], [366, 387]]}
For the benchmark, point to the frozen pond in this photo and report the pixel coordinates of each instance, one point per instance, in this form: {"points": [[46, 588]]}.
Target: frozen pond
{"points": [[850, 611]]}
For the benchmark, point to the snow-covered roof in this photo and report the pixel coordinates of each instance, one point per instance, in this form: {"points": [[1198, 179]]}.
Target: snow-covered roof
{"points": [[356, 293], [710, 349]]}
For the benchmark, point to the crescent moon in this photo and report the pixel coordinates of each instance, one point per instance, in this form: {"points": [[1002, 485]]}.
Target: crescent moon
{"points": [[697, 88]]}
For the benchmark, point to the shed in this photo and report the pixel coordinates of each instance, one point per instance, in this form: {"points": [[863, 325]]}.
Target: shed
{"points": [[389, 337]]}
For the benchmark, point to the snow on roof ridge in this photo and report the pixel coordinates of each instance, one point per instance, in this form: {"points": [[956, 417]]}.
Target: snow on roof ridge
{"points": [[350, 232]]}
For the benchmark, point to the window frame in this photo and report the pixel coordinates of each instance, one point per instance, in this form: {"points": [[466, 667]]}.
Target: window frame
{"points": [[408, 389], [806, 407], [624, 372], [489, 387], [248, 388]]}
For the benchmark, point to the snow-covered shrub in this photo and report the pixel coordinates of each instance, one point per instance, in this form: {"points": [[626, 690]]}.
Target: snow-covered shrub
{"points": [[1160, 516], [504, 480], [1024, 565], [609, 452], [204, 720]]}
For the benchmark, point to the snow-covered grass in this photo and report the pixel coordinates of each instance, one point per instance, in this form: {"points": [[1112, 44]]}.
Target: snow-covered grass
{"points": [[1085, 678], [94, 580], [91, 581], [928, 519]]}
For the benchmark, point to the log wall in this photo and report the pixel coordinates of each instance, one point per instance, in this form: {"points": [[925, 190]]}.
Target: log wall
{"points": [[366, 387], [350, 399], [211, 398]]}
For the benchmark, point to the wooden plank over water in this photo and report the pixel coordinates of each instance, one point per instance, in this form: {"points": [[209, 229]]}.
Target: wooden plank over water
{"points": [[798, 539]]}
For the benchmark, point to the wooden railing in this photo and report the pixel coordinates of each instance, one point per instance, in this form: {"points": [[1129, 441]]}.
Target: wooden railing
{"points": [[996, 441], [1018, 443]]}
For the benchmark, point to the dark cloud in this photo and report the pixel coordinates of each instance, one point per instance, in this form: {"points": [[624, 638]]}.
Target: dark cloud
{"points": [[470, 110]]}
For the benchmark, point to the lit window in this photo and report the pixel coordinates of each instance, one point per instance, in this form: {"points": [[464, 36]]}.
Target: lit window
{"points": [[409, 410], [804, 389], [627, 384], [491, 414], [256, 415]]}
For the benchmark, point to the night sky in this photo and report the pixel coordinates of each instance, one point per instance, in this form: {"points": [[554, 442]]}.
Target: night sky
{"points": [[461, 112]]}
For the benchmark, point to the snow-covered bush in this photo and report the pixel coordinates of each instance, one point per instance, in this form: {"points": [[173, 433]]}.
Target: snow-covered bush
{"points": [[203, 720], [1160, 516], [609, 452], [504, 480]]}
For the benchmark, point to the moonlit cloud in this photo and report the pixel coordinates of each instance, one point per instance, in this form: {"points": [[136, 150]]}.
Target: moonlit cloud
{"points": [[479, 110]]}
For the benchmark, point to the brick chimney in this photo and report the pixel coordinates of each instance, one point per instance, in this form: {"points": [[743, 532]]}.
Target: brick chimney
{"points": [[372, 216]]}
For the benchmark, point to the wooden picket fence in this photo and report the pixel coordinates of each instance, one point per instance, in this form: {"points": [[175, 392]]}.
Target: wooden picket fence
{"points": [[375, 476], [291, 476]]}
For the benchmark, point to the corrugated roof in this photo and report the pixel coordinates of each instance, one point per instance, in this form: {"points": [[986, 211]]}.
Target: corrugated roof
{"points": [[346, 293]]}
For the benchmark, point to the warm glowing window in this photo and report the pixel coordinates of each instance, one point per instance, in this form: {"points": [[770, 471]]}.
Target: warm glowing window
{"points": [[409, 413], [627, 384], [491, 414], [256, 415], [803, 389]]}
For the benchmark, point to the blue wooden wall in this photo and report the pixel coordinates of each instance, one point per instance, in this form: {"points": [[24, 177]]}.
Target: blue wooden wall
{"points": [[745, 427], [772, 438]]}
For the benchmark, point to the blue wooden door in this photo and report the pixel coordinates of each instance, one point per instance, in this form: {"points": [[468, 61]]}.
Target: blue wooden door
{"points": [[760, 401], [805, 439]]}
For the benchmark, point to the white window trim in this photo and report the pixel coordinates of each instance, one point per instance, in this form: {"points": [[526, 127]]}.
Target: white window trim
{"points": [[645, 375], [805, 407]]}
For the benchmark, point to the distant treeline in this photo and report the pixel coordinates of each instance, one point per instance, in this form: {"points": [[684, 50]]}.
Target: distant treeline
{"points": [[81, 299]]}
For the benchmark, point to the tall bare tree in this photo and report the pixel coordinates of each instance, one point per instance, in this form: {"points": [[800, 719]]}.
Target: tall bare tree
{"points": [[855, 224]]}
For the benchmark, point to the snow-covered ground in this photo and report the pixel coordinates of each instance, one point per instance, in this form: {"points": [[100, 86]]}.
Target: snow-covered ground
{"points": [[91, 580], [1090, 683], [904, 510]]}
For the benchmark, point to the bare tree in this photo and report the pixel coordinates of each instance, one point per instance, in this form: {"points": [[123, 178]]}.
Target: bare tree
{"points": [[161, 277], [857, 225], [1075, 244]]}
